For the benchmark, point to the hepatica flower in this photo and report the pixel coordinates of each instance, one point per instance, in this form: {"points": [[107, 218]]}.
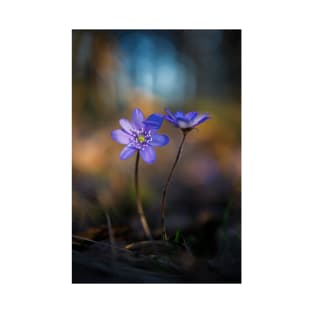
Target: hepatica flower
{"points": [[140, 135], [186, 121]]}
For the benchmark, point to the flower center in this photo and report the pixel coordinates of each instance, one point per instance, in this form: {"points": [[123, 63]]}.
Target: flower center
{"points": [[140, 139]]}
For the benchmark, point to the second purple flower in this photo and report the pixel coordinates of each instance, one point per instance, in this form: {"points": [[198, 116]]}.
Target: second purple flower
{"points": [[186, 121]]}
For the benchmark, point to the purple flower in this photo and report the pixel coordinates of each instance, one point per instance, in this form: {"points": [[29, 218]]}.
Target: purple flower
{"points": [[140, 135], [186, 121]]}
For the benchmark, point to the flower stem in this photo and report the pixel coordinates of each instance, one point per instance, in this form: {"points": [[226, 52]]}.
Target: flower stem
{"points": [[142, 217], [164, 235]]}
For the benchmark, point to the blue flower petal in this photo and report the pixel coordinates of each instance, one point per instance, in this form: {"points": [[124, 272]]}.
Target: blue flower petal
{"points": [[120, 136], [138, 118], [126, 125], [170, 113], [180, 115], [183, 123], [154, 121], [170, 119], [173, 121], [159, 140], [127, 152], [148, 154], [191, 115], [200, 119]]}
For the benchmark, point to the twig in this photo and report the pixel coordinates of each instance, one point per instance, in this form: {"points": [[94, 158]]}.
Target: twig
{"points": [[111, 235]]}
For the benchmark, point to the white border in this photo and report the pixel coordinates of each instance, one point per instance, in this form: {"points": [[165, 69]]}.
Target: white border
{"points": [[35, 123]]}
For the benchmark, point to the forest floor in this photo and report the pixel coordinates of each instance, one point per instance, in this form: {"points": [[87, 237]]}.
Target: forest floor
{"points": [[202, 260]]}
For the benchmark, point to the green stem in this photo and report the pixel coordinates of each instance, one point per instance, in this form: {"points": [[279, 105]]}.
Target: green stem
{"points": [[164, 235], [142, 217]]}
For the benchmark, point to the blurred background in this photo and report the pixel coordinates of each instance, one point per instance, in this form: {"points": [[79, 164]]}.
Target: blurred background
{"points": [[115, 71]]}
